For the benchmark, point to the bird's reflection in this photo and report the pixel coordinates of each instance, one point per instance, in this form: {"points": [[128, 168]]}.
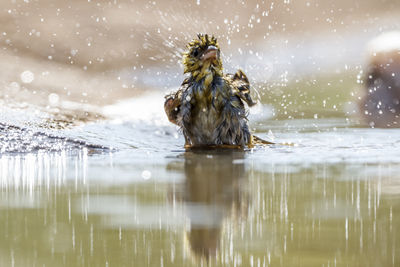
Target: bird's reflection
{"points": [[213, 191]]}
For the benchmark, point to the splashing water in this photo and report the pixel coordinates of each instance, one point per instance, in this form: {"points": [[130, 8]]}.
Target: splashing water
{"points": [[92, 173]]}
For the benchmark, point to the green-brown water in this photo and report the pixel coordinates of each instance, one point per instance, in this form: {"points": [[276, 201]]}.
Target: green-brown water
{"points": [[332, 200]]}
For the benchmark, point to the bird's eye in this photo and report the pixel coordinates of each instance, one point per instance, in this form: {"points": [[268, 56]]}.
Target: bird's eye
{"points": [[195, 53]]}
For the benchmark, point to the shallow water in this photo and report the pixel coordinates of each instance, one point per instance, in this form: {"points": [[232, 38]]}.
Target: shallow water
{"points": [[93, 174], [331, 199]]}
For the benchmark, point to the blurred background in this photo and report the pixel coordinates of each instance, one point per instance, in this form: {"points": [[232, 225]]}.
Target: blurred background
{"points": [[93, 174], [98, 52]]}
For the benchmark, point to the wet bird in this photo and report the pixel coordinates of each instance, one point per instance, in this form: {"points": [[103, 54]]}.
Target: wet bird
{"points": [[210, 106], [380, 104]]}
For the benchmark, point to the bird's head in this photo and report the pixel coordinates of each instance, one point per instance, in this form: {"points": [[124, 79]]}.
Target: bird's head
{"points": [[202, 59]]}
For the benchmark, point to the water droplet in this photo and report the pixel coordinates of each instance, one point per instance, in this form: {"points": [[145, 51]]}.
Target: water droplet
{"points": [[27, 76], [53, 99], [146, 174], [271, 135]]}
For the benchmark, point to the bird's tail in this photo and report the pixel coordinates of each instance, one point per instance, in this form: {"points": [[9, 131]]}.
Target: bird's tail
{"points": [[259, 141]]}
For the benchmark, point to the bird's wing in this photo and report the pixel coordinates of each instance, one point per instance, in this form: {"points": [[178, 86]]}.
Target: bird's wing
{"points": [[173, 102], [242, 85]]}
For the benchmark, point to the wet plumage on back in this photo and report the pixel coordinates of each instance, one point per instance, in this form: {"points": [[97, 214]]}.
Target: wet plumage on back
{"points": [[209, 106]]}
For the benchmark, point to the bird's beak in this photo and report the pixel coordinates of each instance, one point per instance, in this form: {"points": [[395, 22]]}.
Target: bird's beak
{"points": [[210, 53]]}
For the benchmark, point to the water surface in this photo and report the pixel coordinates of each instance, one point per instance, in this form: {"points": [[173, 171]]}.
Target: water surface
{"points": [[93, 174], [332, 199]]}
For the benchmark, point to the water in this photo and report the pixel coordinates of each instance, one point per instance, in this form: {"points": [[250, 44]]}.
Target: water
{"points": [[93, 174], [138, 199]]}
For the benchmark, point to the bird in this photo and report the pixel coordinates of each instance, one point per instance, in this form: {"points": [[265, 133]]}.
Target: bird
{"points": [[210, 106], [380, 103]]}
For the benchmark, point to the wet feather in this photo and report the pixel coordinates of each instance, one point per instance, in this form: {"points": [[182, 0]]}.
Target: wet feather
{"points": [[210, 106]]}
